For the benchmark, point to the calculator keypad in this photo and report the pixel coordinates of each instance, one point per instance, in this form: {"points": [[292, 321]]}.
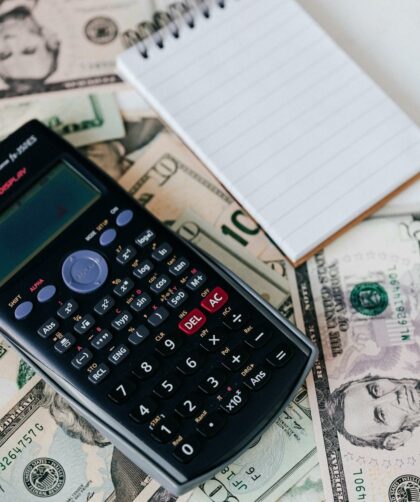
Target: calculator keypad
{"points": [[180, 386]]}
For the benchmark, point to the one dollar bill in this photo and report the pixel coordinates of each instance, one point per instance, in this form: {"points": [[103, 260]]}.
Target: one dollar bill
{"points": [[359, 301]]}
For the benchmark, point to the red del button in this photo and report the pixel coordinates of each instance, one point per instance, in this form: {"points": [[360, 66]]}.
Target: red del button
{"points": [[192, 322], [215, 300]]}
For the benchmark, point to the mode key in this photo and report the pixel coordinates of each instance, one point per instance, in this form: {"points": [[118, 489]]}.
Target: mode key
{"points": [[48, 328]]}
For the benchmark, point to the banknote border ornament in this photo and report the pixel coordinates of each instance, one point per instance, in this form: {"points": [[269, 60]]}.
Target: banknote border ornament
{"points": [[398, 488], [56, 470], [377, 296]]}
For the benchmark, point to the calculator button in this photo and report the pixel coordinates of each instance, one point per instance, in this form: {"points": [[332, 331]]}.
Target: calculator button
{"points": [[215, 300], [211, 424], [23, 310], [213, 381], [84, 271], [258, 338], [107, 237], [145, 238], [196, 281], [167, 387], [65, 343], [67, 309], [118, 355], [84, 325], [177, 299], [257, 378], [179, 267], [168, 346], [102, 339], [48, 328], [143, 269], [280, 356], [233, 401], [234, 320], [212, 342], [145, 367], [191, 363], [46, 293], [144, 411], [124, 218], [165, 429], [191, 406], [141, 333], [120, 393], [158, 316], [105, 305], [140, 302], [124, 287], [187, 450], [160, 284], [192, 322], [122, 320], [126, 255], [235, 359], [99, 374], [82, 358], [162, 252]]}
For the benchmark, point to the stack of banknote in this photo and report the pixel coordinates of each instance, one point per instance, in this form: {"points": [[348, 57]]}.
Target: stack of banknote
{"points": [[353, 432]]}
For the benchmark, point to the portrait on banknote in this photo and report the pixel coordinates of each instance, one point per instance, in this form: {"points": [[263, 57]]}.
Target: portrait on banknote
{"points": [[29, 51], [388, 411]]}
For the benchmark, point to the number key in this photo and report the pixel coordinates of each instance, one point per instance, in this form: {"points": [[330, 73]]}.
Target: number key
{"points": [[213, 381], [144, 411], [167, 387], [191, 363], [169, 345], [187, 450], [165, 429], [190, 406], [120, 393], [145, 367]]}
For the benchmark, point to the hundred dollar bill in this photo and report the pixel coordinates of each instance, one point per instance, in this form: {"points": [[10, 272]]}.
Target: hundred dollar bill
{"points": [[49, 46], [168, 178], [81, 119], [359, 301]]}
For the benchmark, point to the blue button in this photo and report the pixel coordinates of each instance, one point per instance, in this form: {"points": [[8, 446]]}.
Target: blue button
{"points": [[124, 217], [46, 293], [23, 310], [84, 271], [107, 237]]}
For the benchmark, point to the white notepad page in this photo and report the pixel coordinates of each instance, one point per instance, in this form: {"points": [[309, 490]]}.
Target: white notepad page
{"points": [[290, 124]]}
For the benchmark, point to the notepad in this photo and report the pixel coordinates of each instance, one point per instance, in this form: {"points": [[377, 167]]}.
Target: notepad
{"points": [[293, 128]]}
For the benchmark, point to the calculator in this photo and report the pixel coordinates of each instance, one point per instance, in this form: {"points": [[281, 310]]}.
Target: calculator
{"points": [[164, 350]]}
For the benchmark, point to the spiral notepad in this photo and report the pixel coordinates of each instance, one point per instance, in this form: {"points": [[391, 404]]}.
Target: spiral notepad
{"points": [[294, 129]]}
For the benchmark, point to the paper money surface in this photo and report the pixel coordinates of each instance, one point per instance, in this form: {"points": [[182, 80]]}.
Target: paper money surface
{"points": [[81, 119], [308, 489], [49, 46], [168, 179], [359, 301]]}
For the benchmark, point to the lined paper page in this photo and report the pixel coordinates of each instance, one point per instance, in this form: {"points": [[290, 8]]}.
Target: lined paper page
{"points": [[292, 127]]}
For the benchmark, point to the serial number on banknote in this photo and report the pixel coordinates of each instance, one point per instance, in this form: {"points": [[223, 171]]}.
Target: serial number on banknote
{"points": [[359, 482], [21, 444], [240, 484]]}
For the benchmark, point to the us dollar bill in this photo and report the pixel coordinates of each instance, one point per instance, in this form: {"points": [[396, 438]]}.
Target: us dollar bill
{"points": [[168, 178], [57, 46], [359, 301], [308, 489], [81, 119]]}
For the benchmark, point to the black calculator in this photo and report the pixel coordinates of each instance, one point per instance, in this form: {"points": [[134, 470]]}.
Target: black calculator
{"points": [[165, 351]]}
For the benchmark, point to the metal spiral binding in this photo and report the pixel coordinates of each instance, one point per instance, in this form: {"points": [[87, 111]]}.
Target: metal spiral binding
{"points": [[168, 21]]}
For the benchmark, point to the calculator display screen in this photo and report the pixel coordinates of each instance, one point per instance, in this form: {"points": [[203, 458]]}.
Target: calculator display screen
{"points": [[43, 212]]}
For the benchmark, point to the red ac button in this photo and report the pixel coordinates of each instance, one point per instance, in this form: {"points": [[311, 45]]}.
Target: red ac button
{"points": [[215, 300]]}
